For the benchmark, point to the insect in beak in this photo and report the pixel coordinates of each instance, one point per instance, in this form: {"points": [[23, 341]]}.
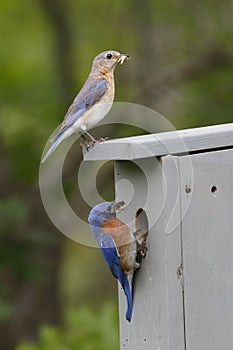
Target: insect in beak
{"points": [[122, 58]]}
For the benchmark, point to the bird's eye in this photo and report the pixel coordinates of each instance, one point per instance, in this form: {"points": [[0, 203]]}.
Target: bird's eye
{"points": [[109, 56]]}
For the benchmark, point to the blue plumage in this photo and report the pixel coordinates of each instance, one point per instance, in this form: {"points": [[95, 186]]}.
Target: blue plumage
{"points": [[90, 94], [100, 215], [56, 142], [111, 256]]}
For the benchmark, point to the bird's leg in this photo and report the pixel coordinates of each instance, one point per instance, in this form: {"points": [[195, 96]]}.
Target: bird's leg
{"points": [[85, 132], [103, 139], [93, 140], [84, 142]]}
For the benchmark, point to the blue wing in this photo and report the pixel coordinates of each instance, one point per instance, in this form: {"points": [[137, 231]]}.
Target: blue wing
{"points": [[91, 93], [109, 251]]}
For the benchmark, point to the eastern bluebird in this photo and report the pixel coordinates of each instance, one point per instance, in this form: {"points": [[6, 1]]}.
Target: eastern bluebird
{"points": [[93, 101], [121, 248]]}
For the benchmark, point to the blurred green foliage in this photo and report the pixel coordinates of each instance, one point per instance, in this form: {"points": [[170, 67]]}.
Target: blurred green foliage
{"points": [[19, 260], [181, 66], [84, 329]]}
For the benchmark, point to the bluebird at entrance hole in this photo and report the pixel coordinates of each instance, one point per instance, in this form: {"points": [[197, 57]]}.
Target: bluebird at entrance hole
{"points": [[121, 248]]}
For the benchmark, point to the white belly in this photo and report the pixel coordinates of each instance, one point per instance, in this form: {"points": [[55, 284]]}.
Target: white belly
{"points": [[92, 117]]}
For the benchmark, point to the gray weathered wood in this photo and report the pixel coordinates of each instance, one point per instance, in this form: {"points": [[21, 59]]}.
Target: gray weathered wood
{"points": [[174, 142], [157, 321], [183, 296], [190, 245], [207, 233]]}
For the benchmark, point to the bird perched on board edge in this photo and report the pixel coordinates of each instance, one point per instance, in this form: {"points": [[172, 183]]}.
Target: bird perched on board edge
{"points": [[122, 249], [93, 102]]}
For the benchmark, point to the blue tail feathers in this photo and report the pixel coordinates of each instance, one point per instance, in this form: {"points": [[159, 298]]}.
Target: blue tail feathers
{"points": [[129, 297], [55, 144]]}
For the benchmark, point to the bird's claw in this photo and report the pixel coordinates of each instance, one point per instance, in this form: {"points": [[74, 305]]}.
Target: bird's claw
{"points": [[90, 143], [102, 139], [85, 143], [141, 244], [142, 248]]}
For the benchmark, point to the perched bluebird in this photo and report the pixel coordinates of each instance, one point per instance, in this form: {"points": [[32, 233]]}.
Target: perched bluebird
{"points": [[93, 101], [121, 248]]}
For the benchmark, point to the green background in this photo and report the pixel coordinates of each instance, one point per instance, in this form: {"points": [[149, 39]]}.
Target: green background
{"points": [[56, 294]]}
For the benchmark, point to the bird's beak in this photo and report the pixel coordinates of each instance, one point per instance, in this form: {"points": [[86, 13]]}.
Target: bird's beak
{"points": [[123, 57], [120, 206], [116, 207]]}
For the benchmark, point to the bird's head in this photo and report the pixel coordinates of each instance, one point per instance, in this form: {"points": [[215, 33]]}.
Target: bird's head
{"points": [[104, 211], [107, 60], [115, 207]]}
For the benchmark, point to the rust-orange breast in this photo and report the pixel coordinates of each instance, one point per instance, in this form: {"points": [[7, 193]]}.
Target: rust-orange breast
{"points": [[122, 238]]}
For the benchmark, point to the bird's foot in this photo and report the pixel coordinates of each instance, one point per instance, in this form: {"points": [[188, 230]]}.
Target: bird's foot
{"points": [[141, 243], [90, 143], [142, 248], [141, 254], [102, 139], [84, 143], [87, 144]]}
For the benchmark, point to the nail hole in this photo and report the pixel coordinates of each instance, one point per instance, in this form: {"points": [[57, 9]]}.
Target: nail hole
{"points": [[213, 189], [188, 188]]}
